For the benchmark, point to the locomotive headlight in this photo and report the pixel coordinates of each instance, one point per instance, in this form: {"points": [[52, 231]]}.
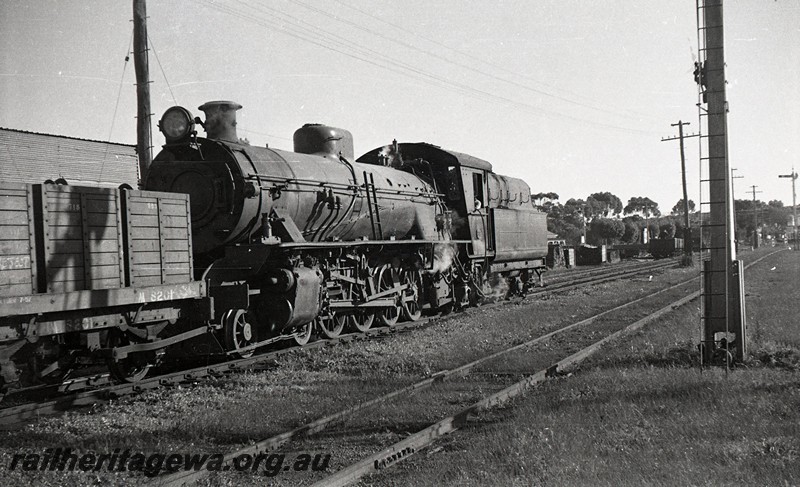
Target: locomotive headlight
{"points": [[176, 124]]}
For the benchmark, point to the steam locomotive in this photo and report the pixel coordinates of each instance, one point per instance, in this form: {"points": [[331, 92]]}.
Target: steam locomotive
{"points": [[249, 245]]}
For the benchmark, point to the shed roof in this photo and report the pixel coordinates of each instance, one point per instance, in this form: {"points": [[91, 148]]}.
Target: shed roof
{"points": [[31, 157]]}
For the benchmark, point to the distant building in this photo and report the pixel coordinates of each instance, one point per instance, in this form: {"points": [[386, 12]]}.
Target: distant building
{"points": [[30, 157]]}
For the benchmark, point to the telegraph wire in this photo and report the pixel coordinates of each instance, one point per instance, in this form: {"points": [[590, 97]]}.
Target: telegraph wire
{"points": [[158, 61], [456, 63], [116, 107], [391, 64]]}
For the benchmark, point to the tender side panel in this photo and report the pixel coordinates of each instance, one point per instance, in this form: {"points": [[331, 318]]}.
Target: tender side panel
{"points": [[17, 254], [159, 238], [519, 235], [82, 238]]}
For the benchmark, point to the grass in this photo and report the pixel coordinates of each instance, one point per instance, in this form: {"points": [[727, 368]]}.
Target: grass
{"points": [[644, 413]]}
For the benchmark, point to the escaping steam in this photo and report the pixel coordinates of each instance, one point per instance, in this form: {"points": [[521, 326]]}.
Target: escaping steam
{"points": [[499, 287], [443, 257]]}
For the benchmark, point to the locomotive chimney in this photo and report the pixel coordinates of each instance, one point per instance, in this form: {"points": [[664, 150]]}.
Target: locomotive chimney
{"points": [[221, 120]]}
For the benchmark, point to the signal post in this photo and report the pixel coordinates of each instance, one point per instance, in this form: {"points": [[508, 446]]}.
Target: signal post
{"points": [[724, 327]]}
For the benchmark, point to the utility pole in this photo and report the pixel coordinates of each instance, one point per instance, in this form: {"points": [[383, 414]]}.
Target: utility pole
{"points": [[793, 176], [755, 217], [687, 231], [724, 325], [733, 196], [140, 62]]}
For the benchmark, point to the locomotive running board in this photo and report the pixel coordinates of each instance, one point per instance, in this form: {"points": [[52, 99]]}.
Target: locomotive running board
{"points": [[359, 243]]}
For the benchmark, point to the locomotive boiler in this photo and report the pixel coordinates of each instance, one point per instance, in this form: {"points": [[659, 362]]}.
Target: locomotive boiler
{"points": [[318, 190]]}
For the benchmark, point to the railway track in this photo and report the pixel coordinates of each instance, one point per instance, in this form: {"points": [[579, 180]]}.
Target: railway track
{"points": [[401, 450], [561, 275], [317, 426], [545, 365], [602, 275], [89, 390]]}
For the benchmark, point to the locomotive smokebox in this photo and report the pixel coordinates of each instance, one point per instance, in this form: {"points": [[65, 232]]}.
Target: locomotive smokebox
{"points": [[220, 121], [322, 140]]}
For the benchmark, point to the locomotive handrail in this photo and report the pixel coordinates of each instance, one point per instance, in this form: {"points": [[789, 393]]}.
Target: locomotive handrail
{"points": [[334, 185]]}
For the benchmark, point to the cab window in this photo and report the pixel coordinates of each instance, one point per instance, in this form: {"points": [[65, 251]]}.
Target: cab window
{"points": [[453, 188], [477, 190]]}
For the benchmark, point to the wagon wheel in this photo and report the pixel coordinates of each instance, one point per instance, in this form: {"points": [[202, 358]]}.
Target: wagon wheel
{"points": [[302, 334], [239, 333], [412, 295], [132, 368], [388, 278]]}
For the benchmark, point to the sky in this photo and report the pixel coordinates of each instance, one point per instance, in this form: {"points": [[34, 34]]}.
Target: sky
{"points": [[573, 96]]}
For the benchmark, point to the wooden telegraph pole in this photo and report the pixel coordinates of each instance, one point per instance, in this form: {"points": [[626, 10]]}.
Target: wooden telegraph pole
{"points": [[755, 217], [140, 62], [687, 231], [733, 196], [723, 284]]}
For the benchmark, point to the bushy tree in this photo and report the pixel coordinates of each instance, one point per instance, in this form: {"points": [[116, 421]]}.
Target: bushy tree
{"points": [[678, 208], [633, 228], [603, 204], [666, 228], [541, 200], [643, 205], [606, 230], [652, 228], [565, 221]]}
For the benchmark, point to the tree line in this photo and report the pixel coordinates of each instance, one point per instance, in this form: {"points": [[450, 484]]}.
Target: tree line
{"points": [[604, 220]]}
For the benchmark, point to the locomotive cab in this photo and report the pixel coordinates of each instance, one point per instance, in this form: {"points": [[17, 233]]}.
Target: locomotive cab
{"points": [[494, 213]]}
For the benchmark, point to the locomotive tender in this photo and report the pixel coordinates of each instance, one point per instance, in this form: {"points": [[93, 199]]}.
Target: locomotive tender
{"points": [[277, 244]]}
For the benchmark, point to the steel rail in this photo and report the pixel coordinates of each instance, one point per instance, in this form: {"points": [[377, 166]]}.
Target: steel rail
{"points": [[613, 274], [272, 443], [575, 273], [407, 447]]}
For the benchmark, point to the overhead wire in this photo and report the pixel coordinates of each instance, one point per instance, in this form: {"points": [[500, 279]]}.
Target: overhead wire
{"points": [[116, 107], [331, 41], [507, 100], [326, 41], [449, 60], [164, 74], [328, 37]]}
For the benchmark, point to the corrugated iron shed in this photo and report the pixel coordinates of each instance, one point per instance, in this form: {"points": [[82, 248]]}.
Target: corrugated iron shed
{"points": [[30, 157]]}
